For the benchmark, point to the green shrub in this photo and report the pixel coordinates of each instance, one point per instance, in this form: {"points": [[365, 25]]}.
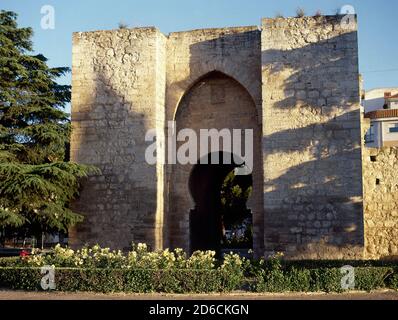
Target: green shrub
{"points": [[272, 277], [101, 269], [276, 275], [299, 280], [121, 280], [140, 270], [370, 278], [196, 280], [20, 278], [325, 280], [392, 280], [233, 268], [10, 261]]}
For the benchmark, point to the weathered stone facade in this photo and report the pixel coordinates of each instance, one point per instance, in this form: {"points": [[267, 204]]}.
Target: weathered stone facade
{"points": [[311, 139], [118, 94], [381, 203], [192, 58], [293, 81]]}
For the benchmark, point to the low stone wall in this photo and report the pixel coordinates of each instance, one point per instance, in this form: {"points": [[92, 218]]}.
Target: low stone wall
{"points": [[380, 178]]}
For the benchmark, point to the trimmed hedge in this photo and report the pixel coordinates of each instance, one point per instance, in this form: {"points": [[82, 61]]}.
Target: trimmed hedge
{"points": [[275, 279], [9, 262], [293, 276], [122, 280], [325, 280], [316, 264], [103, 270]]}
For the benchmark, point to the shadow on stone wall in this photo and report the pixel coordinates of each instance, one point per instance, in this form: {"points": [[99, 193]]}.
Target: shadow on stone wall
{"points": [[315, 198], [320, 204], [119, 204], [223, 55], [236, 54], [313, 207], [313, 202]]}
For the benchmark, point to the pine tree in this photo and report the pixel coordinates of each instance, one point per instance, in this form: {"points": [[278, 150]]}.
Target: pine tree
{"points": [[36, 183]]}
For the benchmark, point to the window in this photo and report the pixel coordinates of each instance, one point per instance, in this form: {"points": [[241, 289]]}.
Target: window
{"points": [[393, 128], [370, 135]]}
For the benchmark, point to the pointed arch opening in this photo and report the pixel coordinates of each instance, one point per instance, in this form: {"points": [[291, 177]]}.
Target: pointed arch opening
{"points": [[215, 101], [220, 219], [209, 76]]}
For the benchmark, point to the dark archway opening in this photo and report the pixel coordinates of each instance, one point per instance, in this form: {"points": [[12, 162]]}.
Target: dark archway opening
{"points": [[220, 219]]}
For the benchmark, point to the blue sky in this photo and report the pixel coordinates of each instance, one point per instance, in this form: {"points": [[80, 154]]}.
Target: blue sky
{"points": [[378, 24]]}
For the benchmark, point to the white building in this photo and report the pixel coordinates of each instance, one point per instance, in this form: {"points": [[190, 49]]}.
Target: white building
{"points": [[383, 130], [374, 99]]}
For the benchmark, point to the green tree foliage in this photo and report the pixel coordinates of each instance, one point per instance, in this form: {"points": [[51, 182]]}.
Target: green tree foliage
{"points": [[36, 183], [235, 192]]}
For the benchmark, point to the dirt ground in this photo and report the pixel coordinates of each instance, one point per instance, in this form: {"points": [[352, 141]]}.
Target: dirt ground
{"points": [[23, 295]]}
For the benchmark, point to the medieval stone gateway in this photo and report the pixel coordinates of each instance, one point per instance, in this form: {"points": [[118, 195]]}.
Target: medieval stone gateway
{"points": [[294, 82]]}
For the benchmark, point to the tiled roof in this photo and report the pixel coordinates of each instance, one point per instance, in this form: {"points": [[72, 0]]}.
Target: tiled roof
{"points": [[380, 114]]}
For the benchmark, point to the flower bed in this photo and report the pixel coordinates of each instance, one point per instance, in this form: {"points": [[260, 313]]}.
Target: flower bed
{"points": [[104, 270], [140, 270]]}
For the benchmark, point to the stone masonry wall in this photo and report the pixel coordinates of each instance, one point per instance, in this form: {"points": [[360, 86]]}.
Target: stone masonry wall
{"points": [[118, 93], [311, 139], [216, 102], [191, 56], [380, 167], [297, 85]]}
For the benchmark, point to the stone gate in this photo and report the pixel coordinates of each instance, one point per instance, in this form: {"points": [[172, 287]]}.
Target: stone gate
{"points": [[294, 82]]}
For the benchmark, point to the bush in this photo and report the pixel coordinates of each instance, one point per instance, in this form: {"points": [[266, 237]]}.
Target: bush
{"points": [[140, 270], [299, 280], [233, 268], [368, 279], [9, 261], [272, 278], [276, 275], [121, 280], [392, 280], [325, 280]]}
